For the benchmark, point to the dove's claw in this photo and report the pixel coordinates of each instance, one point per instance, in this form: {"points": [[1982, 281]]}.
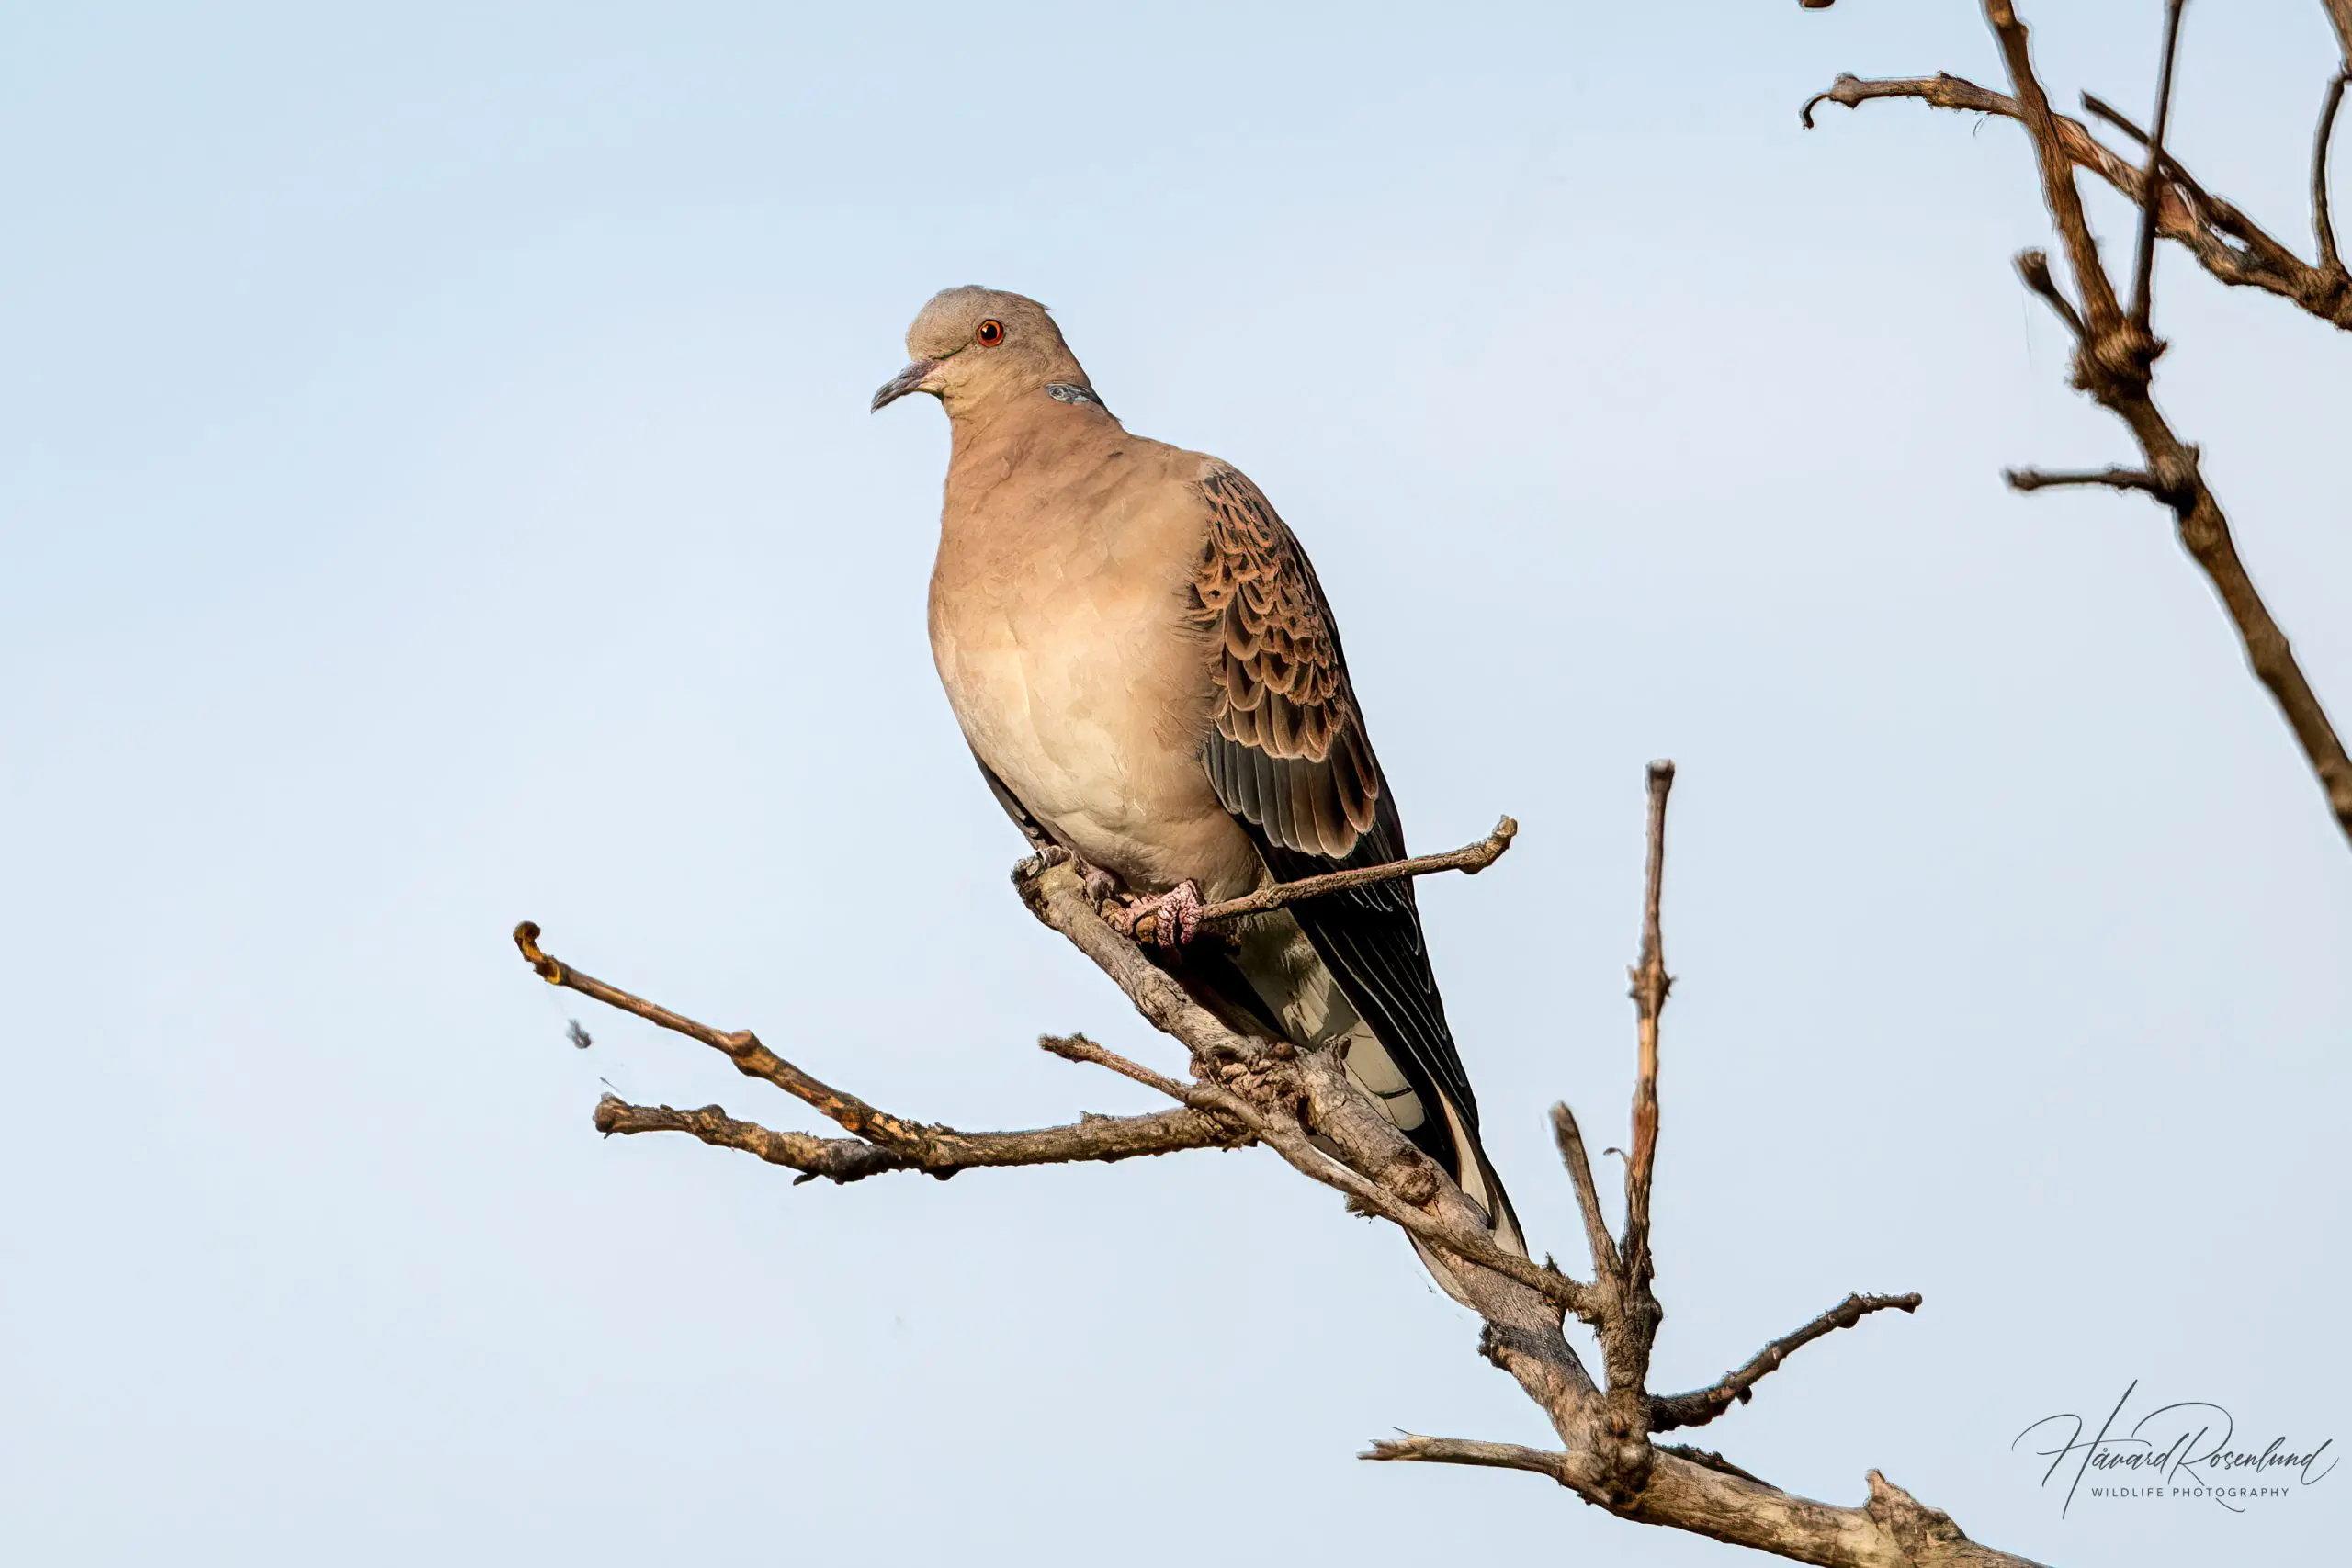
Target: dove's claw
{"points": [[1175, 915]]}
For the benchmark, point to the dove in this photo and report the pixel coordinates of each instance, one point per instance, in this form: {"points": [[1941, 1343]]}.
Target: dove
{"points": [[1149, 674]]}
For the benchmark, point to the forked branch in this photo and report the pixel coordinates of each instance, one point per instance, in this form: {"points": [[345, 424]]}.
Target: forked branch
{"points": [[880, 1142], [2115, 346], [1628, 1312], [1703, 1405], [1301, 1103], [2228, 245]]}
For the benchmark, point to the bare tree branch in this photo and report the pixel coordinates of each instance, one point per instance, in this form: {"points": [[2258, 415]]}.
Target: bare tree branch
{"points": [[1398, 1187], [882, 1142], [2115, 351], [2227, 244], [1942, 91], [1094, 1139], [2113, 478], [2101, 311], [2222, 218], [1471, 858], [2323, 221], [1701, 1406], [1413, 1447], [743, 1048], [2144, 263], [1301, 1103], [1651, 984], [1602, 1246], [2114, 363]]}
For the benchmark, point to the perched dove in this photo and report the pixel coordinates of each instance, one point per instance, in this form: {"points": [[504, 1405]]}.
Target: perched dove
{"points": [[1147, 673]]}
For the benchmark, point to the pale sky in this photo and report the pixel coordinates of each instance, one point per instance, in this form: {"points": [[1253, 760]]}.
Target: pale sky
{"points": [[437, 491]]}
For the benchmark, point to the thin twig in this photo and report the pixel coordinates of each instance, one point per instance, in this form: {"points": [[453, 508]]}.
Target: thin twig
{"points": [[2186, 212], [2323, 221], [941, 1151], [750, 1058], [1470, 859], [1651, 984], [838, 1160], [2113, 362], [1701, 1406], [1598, 1240], [1413, 1447], [1286, 1139], [1942, 90], [1090, 1140], [2144, 261], [2113, 478], [2208, 210], [2100, 308], [1078, 1048]]}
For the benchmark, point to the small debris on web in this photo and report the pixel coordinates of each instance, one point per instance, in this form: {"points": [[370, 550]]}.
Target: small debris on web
{"points": [[580, 1038]]}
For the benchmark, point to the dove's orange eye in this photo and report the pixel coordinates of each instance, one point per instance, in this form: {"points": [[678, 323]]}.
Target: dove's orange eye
{"points": [[991, 332]]}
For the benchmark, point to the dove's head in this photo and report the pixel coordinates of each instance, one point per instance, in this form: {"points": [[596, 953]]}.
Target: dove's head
{"points": [[973, 347]]}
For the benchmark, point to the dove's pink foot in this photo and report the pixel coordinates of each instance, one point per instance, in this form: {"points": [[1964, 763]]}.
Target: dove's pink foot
{"points": [[1175, 914]]}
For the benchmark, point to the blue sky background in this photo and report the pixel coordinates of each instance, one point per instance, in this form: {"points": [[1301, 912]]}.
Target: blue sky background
{"points": [[437, 491]]}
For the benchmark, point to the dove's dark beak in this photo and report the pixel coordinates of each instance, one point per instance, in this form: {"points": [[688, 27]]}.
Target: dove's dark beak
{"points": [[911, 379]]}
